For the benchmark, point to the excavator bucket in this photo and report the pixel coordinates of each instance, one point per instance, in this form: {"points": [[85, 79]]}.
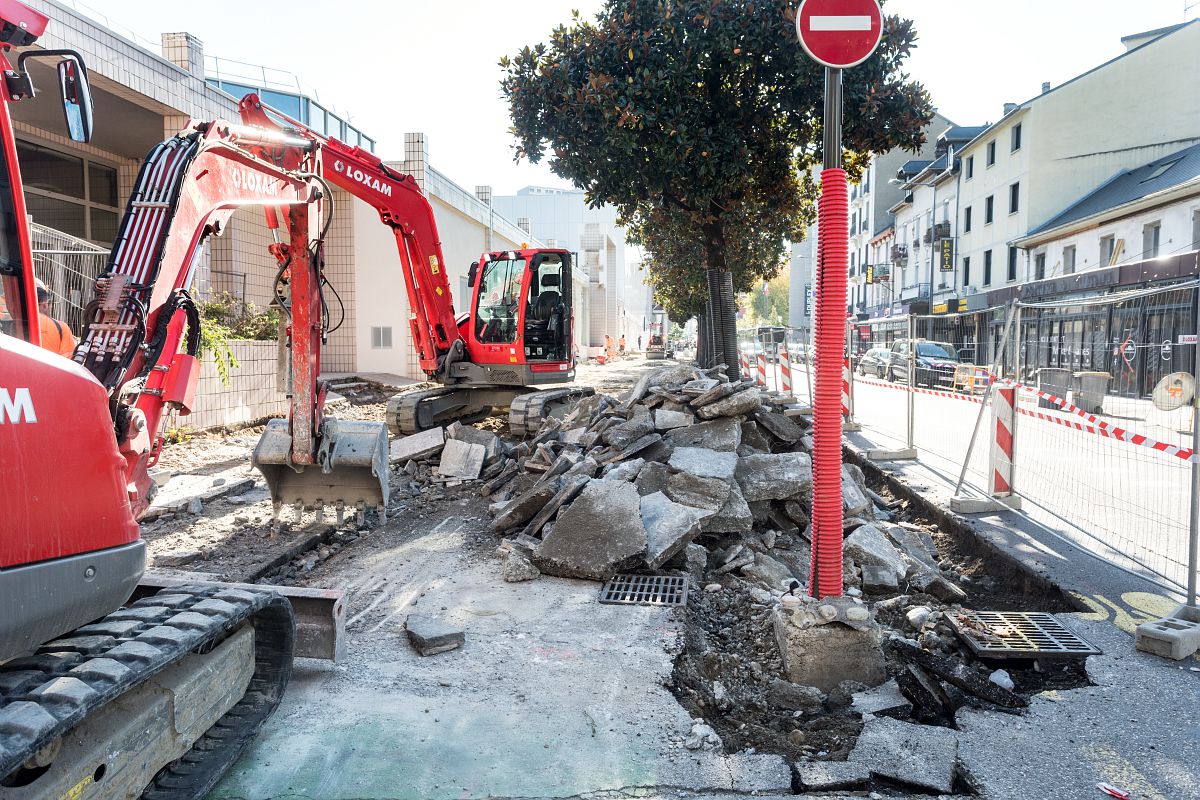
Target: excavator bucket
{"points": [[351, 469]]}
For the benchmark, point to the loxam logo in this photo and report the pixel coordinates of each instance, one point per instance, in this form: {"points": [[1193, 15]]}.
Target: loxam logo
{"points": [[254, 182], [383, 187], [16, 406]]}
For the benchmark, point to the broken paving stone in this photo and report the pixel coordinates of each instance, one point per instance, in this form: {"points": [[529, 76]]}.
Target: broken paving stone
{"points": [[570, 488], [883, 700], [417, 446], [955, 672], [670, 376], [868, 545], [734, 516], [641, 444], [652, 478], [924, 756], [855, 502], [670, 527], [774, 476], [709, 494], [492, 446], [721, 434], [768, 573], [716, 394], [665, 420], [794, 696], [753, 441], [779, 425], [935, 584], [521, 509], [732, 406], [660, 451], [917, 545], [927, 696], [517, 568], [432, 636], [625, 471], [878, 580], [818, 776], [600, 534], [625, 434], [461, 460], [699, 386], [696, 561], [586, 467], [704, 463]]}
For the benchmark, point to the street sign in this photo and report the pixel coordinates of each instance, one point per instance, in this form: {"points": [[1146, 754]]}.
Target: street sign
{"points": [[839, 33], [947, 255], [1187, 338]]}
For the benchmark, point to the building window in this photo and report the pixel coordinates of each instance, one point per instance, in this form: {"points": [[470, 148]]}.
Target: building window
{"points": [[1107, 245], [987, 267], [1039, 266], [991, 152], [970, 167], [1014, 198], [989, 206], [1016, 137], [967, 220], [1012, 263], [1196, 229], [69, 193], [381, 338], [966, 270], [1069, 260], [1150, 234]]}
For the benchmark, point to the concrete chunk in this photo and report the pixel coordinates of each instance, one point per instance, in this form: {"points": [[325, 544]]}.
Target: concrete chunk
{"points": [[704, 463], [521, 508], [709, 494], [924, 756], [720, 434], [623, 471], [825, 655], [488, 440], [665, 420], [432, 636], [417, 446], [868, 545], [600, 534], [774, 476], [625, 434], [883, 700], [669, 527], [732, 406], [461, 459], [779, 426], [818, 776], [652, 478], [734, 517]]}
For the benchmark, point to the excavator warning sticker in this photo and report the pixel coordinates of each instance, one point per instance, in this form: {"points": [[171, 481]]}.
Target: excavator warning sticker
{"points": [[433, 265], [76, 791]]}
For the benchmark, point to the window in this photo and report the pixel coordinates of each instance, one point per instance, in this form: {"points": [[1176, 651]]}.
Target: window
{"points": [[499, 296], [1014, 198], [69, 193], [1069, 260], [1039, 266], [989, 206], [966, 270], [1016, 137], [967, 220], [1012, 263], [987, 268], [970, 167], [1196, 229], [991, 152], [1150, 235], [1107, 245], [381, 338]]}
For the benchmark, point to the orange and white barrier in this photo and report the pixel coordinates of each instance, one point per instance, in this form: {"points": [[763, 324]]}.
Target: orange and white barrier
{"points": [[745, 364], [1004, 412], [785, 369], [762, 369], [847, 400]]}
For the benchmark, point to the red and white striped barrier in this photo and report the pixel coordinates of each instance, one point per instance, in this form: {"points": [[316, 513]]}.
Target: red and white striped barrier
{"points": [[847, 399], [745, 362], [785, 369], [1004, 405], [762, 368]]}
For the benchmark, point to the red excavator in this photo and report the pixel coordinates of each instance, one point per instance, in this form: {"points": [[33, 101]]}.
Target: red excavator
{"points": [[158, 697], [517, 334]]}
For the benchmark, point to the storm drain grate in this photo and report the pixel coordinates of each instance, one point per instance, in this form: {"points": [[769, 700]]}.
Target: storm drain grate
{"points": [[645, 590], [1019, 634]]}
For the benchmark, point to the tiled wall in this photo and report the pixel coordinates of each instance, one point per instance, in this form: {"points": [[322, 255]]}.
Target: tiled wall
{"points": [[251, 393], [339, 354]]}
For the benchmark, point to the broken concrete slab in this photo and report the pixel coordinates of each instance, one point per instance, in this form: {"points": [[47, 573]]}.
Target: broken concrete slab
{"points": [[868, 545], [721, 434], [779, 426], [732, 406], [877, 580], [934, 583], [461, 459], [570, 488], [957, 673], [699, 386], [913, 544], [884, 700], [492, 446], [821, 776], [716, 394], [518, 568], [670, 526], [855, 502], [665, 420], [924, 756], [926, 694], [417, 446], [768, 573], [709, 494], [774, 476], [734, 516], [521, 508], [625, 434], [623, 471], [673, 375], [825, 655], [704, 463], [644, 443], [431, 636], [652, 478], [794, 696], [600, 534], [753, 440]]}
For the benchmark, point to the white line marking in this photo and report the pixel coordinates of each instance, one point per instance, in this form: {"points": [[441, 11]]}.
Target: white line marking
{"points": [[862, 23]]}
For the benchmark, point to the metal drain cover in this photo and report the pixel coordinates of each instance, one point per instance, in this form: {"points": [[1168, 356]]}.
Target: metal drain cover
{"points": [[1019, 634], [645, 590]]}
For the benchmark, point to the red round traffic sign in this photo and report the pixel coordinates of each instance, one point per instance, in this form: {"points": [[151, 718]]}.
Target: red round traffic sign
{"points": [[839, 33]]}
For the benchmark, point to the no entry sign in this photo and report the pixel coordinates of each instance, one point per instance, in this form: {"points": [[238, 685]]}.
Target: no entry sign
{"points": [[839, 33]]}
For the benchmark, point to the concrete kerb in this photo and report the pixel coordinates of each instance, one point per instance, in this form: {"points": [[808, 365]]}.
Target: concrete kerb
{"points": [[901, 454], [984, 505]]}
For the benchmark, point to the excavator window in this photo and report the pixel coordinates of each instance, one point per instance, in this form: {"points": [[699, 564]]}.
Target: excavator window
{"points": [[499, 301], [10, 255], [546, 313]]}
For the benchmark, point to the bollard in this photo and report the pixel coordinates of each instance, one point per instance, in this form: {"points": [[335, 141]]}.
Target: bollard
{"points": [[1004, 404]]}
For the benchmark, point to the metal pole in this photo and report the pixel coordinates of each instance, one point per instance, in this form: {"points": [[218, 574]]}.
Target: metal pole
{"points": [[987, 396], [832, 139], [912, 373], [1194, 511], [808, 357]]}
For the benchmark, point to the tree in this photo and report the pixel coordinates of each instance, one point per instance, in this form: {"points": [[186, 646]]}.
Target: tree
{"points": [[769, 307], [702, 113]]}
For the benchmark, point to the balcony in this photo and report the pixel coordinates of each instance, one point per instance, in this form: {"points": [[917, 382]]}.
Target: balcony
{"points": [[939, 231], [899, 254], [915, 292]]}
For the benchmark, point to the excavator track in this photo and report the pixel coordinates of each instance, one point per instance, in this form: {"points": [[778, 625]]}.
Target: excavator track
{"points": [[71, 680], [405, 415], [529, 411]]}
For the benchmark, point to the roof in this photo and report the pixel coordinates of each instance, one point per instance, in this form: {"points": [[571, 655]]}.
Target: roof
{"points": [[1131, 185], [962, 133], [913, 166], [1156, 33]]}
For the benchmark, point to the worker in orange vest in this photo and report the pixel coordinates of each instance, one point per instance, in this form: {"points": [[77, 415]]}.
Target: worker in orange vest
{"points": [[56, 335]]}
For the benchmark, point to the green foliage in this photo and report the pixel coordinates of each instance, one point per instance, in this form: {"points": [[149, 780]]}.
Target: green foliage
{"points": [[225, 317], [770, 308], [700, 120]]}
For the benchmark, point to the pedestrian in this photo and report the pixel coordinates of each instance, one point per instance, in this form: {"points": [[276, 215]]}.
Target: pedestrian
{"points": [[639, 344], [56, 336], [622, 344]]}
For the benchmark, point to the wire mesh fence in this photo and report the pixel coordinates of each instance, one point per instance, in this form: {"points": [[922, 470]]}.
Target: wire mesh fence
{"points": [[68, 266]]}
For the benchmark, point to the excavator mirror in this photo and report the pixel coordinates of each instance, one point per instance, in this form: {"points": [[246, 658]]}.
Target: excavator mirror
{"points": [[472, 273], [76, 98]]}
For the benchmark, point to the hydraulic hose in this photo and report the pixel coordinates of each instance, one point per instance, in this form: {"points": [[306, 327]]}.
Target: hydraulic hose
{"points": [[829, 339]]}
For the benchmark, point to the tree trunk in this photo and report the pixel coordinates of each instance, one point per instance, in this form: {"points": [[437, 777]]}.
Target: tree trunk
{"points": [[722, 306], [704, 341]]}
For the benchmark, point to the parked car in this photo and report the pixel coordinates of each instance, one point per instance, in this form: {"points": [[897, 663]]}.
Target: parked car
{"points": [[935, 362], [874, 362]]}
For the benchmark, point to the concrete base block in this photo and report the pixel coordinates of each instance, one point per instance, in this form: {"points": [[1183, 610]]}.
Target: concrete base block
{"points": [[984, 505], [798, 411], [903, 454], [825, 655], [851, 427], [1175, 637]]}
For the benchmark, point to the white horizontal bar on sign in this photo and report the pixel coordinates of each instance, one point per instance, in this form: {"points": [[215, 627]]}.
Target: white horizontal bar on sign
{"points": [[839, 23]]}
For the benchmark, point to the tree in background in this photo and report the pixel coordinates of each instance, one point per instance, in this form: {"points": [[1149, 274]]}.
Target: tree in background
{"points": [[701, 115], [768, 307]]}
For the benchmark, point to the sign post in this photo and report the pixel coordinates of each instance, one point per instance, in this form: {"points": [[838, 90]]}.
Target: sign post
{"points": [[837, 34]]}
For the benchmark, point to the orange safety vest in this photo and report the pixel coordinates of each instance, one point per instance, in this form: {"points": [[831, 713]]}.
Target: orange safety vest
{"points": [[56, 337]]}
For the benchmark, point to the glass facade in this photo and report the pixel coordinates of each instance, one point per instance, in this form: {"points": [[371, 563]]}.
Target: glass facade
{"points": [[69, 193], [302, 109]]}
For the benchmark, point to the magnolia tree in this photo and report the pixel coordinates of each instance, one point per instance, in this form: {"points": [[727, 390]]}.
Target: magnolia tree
{"points": [[698, 120]]}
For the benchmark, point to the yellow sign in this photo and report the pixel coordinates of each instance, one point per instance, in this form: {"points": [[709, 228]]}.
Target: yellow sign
{"points": [[433, 265]]}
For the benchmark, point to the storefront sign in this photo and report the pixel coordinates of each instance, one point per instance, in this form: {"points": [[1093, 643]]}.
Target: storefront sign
{"points": [[947, 255]]}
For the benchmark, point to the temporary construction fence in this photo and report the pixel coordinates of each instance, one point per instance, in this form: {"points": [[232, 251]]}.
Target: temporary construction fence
{"points": [[68, 266], [1080, 409]]}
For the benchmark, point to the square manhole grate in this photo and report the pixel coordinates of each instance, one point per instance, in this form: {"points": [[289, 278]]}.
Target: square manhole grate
{"points": [[645, 590], [1019, 634]]}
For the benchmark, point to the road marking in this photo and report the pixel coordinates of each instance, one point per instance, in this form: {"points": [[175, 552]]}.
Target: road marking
{"points": [[839, 23]]}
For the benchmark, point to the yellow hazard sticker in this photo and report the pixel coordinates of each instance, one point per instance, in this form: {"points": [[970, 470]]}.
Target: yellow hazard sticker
{"points": [[76, 791], [512, 359], [438, 290], [433, 265]]}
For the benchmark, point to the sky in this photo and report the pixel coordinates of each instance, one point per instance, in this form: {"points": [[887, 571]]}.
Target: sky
{"points": [[432, 66]]}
